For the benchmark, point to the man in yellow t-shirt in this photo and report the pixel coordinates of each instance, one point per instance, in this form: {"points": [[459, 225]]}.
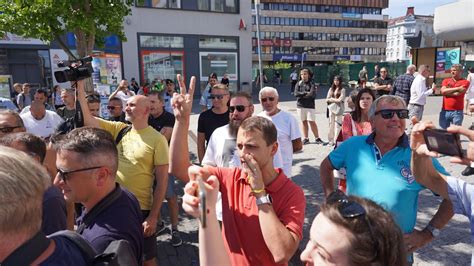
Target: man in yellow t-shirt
{"points": [[143, 157]]}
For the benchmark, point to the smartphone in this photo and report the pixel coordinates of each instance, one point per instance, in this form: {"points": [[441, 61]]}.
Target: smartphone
{"points": [[444, 142], [202, 202]]}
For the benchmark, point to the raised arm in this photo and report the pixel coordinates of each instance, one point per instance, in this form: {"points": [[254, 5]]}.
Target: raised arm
{"points": [[179, 151], [89, 119]]}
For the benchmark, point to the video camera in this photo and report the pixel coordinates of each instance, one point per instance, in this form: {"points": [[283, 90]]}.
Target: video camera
{"points": [[77, 70]]}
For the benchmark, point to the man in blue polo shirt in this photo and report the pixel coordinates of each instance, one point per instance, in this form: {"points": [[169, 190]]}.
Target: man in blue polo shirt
{"points": [[87, 162], [378, 168]]}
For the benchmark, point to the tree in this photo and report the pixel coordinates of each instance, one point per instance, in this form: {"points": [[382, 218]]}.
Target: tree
{"points": [[49, 20]]}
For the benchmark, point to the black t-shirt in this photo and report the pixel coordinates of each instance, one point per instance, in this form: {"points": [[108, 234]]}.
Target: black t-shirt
{"points": [[209, 121], [120, 118], [66, 113], [166, 119], [386, 81]]}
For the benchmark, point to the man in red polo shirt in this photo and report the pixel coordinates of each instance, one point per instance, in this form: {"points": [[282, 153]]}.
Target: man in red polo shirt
{"points": [[263, 210], [453, 90]]}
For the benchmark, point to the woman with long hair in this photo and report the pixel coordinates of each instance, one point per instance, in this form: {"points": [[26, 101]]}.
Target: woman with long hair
{"points": [[356, 123], [335, 100]]}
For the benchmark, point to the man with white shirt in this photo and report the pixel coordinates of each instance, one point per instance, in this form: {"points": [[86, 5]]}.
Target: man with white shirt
{"points": [[122, 92], [418, 94], [289, 135], [39, 121]]}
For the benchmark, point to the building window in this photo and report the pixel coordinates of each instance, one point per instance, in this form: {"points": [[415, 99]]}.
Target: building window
{"points": [[159, 3], [227, 6], [217, 43], [161, 41]]}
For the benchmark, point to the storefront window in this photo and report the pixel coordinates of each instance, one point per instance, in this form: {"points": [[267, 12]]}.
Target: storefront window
{"points": [[159, 3], [228, 6], [159, 65], [161, 41], [217, 43]]}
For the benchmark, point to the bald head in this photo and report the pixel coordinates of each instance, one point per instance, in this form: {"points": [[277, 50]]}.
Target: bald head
{"points": [[137, 109]]}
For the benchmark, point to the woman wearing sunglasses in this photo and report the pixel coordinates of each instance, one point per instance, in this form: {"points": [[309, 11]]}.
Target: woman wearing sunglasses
{"points": [[335, 101], [353, 231], [347, 231]]}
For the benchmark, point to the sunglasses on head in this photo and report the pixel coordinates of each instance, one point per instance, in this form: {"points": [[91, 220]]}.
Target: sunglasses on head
{"points": [[217, 96], [8, 129], [264, 100], [350, 209], [388, 113], [239, 108]]}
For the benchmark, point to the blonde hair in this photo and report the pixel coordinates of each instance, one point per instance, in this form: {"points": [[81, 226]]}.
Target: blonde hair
{"points": [[22, 184]]}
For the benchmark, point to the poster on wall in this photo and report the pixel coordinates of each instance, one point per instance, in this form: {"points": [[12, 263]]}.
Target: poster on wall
{"points": [[159, 65], [445, 58], [107, 69], [219, 62]]}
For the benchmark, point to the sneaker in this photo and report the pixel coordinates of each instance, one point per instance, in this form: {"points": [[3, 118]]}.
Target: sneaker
{"points": [[305, 141], [468, 171], [319, 141], [160, 227], [176, 240]]}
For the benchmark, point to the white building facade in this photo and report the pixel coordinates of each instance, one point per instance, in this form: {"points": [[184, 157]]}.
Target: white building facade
{"points": [[407, 32]]}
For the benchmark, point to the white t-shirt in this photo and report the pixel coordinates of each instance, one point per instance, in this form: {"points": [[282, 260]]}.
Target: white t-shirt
{"points": [[124, 97], [470, 90], [288, 130], [222, 152], [44, 127]]}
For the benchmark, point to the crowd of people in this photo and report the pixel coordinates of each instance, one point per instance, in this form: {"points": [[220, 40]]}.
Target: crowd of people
{"points": [[107, 179]]}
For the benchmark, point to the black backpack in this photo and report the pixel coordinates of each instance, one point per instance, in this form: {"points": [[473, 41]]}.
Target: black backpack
{"points": [[118, 252]]}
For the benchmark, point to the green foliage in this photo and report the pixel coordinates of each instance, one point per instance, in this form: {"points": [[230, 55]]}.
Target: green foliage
{"points": [[90, 20]]}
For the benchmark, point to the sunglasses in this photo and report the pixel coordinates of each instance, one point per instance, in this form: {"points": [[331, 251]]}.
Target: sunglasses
{"points": [[8, 129], [264, 100], [63, 174], [239, 108], [217, 96], [350, 210], [388, 113], [111, 107]]}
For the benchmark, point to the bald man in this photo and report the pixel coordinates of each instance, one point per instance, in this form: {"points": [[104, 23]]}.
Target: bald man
{"points": [[143, 157]]}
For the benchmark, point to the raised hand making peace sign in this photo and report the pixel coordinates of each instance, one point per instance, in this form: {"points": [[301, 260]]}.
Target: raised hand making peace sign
{"points": [[183, 102]]}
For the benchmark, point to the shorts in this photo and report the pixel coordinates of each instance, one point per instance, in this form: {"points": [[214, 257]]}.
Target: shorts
{"points": [[170, 189], [149, 245], [306, 114]]}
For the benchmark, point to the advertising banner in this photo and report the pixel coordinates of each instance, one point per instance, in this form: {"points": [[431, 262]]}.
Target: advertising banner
{"points": [[445, 58]]}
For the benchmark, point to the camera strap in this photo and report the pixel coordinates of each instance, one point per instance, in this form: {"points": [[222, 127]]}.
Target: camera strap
{"points": [[29, 251]]}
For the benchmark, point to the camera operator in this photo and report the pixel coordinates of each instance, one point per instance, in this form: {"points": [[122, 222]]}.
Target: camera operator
{"points": [[458, 191]]}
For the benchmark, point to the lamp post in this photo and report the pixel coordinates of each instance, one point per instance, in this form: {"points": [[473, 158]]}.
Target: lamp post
{"points": [[302, 58], [259, 46]]}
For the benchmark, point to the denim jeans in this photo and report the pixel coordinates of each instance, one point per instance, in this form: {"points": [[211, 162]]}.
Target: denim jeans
{"points": [[448, 117]]}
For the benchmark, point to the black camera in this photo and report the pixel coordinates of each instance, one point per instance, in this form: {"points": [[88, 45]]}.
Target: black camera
{"points": [[77, 70]]}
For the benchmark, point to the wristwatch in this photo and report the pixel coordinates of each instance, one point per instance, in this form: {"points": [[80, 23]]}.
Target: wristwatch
{"points": [[267, 199], [433, 230]]}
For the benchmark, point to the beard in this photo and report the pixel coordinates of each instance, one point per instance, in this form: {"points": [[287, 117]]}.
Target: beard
{"points": [[234, 127]]}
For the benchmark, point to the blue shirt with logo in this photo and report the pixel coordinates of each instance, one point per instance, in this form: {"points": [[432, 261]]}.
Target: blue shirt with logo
{"points": [[386, 179]]}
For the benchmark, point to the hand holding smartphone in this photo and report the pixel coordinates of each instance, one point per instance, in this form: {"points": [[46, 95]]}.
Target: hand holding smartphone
{"points": [[444, 142]]}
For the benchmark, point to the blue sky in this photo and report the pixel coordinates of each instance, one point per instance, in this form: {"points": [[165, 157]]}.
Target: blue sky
{"points": [[398, 8]]}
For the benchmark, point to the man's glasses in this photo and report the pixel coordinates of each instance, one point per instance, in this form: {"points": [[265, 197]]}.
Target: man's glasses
{"points": [[239, 108], [388, 113], [8, 129], [111, 107], [63, 174], [217, 96], [351, 210], [264, 100]]}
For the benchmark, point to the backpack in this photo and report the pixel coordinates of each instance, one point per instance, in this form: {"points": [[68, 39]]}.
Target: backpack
{"points": [[118, 252]]}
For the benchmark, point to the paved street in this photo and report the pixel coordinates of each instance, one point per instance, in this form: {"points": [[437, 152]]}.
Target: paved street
{"points": [[451, 248]]}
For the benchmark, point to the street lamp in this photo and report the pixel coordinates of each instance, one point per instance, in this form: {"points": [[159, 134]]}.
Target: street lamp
{"points": [[302, 58], [259, 46]]}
